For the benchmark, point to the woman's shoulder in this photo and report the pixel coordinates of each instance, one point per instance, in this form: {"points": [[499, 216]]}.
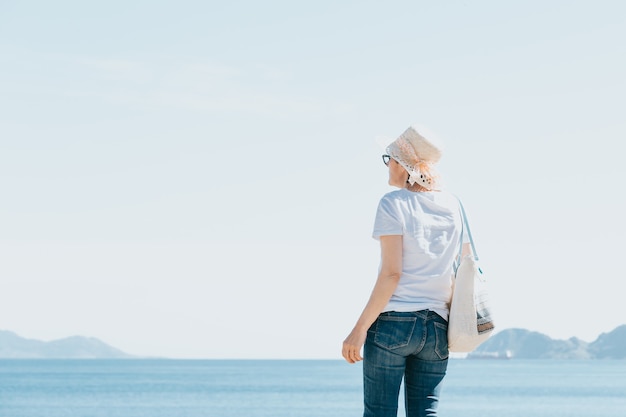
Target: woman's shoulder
{"points": [[437, 198], [446, 197], [395, 195], [403, 194]]}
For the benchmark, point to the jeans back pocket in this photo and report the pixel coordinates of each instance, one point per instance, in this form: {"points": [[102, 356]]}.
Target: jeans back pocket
{"points": [[393, 332]]}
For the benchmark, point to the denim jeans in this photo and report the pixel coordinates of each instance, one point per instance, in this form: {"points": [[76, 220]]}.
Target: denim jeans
{"points": [[413, 346]]}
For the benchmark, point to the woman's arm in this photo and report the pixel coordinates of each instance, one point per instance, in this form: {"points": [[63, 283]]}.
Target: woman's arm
{"points": [[388, 277]]}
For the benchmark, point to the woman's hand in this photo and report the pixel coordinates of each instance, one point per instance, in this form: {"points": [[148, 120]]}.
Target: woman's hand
{"points": [[352, 345]]}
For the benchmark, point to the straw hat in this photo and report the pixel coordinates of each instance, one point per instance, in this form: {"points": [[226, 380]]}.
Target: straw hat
{"points": [[417, 153]]}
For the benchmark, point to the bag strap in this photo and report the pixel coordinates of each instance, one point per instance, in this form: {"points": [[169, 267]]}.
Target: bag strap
{"points": [[464, 226]]}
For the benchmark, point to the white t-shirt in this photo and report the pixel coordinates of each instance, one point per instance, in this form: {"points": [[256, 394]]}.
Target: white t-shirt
{"points": [[430, 225]]}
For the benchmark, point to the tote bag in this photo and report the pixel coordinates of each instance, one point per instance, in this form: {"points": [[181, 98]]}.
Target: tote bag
{"points": [[470, 322]]}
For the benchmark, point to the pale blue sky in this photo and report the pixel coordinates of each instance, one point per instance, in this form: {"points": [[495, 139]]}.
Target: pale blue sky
{"points": [[199, 179]]}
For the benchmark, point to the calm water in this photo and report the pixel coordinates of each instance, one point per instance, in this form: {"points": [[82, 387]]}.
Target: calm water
{"points": [[194, 388]]}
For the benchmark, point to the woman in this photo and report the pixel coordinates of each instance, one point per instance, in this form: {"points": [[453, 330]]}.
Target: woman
{"points": [[403, 327]]}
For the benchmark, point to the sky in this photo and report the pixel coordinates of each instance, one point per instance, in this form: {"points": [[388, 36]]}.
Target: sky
{"points": [[199, 179]]}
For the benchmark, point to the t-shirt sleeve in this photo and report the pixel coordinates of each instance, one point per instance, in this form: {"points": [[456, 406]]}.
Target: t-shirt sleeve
{"points": [[387, 220]]}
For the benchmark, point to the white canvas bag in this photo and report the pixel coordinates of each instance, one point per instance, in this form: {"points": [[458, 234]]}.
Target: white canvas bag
{"points": [[470, 322]]}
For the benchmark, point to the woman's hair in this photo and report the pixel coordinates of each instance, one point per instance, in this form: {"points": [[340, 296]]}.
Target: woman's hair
{"points": [[427, 171]]}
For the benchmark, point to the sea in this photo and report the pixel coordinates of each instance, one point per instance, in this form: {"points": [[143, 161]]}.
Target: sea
{"points": [[299, 388]]}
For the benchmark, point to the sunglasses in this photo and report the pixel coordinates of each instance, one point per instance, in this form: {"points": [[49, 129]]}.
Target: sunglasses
{"points": [[386, 159]]}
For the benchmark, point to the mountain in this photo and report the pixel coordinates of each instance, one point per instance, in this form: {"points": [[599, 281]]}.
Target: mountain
{"points": [[13, 346], [526, 344], [610, 345]]}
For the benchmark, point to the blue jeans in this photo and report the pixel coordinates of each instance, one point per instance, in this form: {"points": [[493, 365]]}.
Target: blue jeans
{"points": [[413, 346]]}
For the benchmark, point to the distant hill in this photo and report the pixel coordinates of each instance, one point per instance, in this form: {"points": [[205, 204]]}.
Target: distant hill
{"points": [[13, 346], [526, 344]]}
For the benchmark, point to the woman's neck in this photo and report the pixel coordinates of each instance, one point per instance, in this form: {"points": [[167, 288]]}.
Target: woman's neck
{"points": [[416, 188]]}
